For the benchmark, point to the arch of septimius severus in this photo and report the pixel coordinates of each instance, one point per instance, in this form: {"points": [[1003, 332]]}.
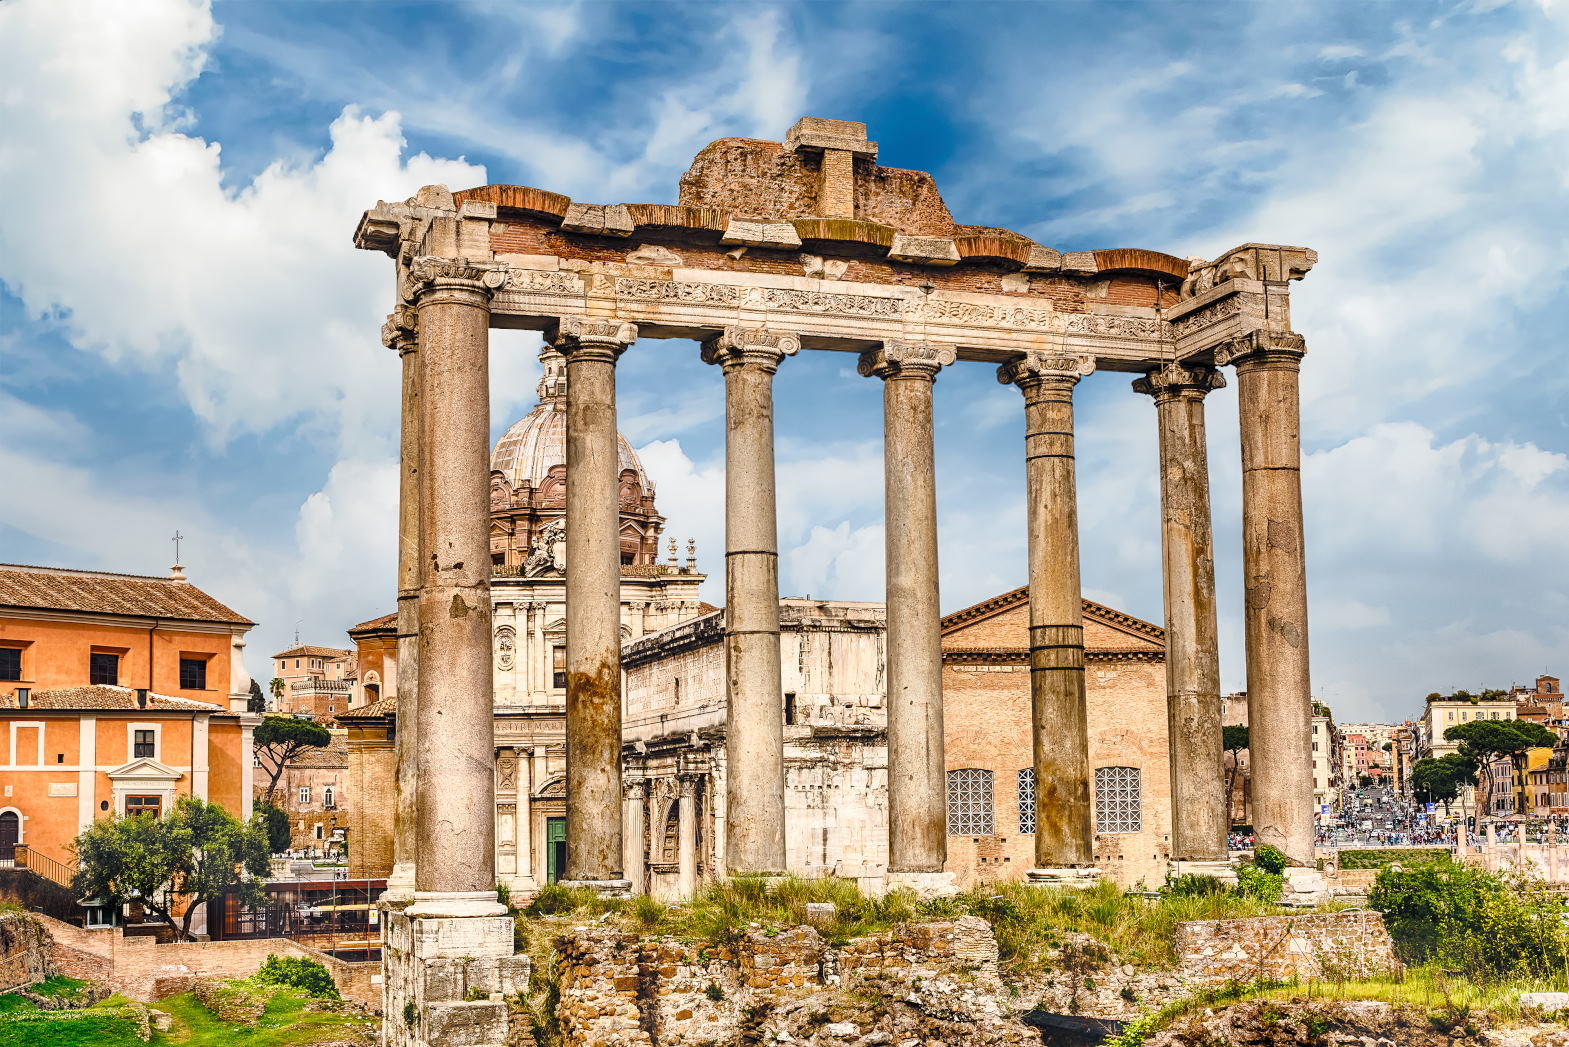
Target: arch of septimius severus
{"points": [[773, 249]]}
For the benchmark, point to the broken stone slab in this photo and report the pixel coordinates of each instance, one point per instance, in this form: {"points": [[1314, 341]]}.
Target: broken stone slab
{"points": [[926, 250], [600, 219], [1547, 1001], [761, 234]]}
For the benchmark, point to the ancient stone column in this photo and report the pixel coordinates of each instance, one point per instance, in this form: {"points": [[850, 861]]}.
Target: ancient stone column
{"points": [[633, 821], [686, 837], [455, 865], [400, 333], [593, 593], [1064, 829], [1193, 706], [1279, 698], [754, 721], [917, 783]]}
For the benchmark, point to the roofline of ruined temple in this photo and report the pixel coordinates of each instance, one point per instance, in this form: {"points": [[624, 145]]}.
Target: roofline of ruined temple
{"points": [[380, 229]]}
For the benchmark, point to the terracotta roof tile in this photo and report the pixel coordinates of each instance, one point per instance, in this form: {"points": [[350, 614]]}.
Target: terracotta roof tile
{"points": [[307, 651], [383, 707], [101, 592], [386, 621], [101, 696]]}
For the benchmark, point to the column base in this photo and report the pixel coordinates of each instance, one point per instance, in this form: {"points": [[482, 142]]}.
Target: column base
{"points": [[608, 888], [446, 980], [438, 905], [924, 884], [1078, 877], [1220, 869], [1305, 887]]}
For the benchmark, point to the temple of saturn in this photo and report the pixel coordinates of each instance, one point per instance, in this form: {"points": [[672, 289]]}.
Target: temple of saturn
{"points": [[774, 249]]}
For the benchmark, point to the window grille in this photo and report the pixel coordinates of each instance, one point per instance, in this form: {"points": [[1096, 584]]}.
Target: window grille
{"points": [[193, 674], [143, 745], [1118, 800], [970, 803], [103, 668], [10, 663], [1027, 800]]}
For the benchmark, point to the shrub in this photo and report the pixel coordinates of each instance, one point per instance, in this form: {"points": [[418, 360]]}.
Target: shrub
{"points": [[1193, 885], [1270, 859], [1486, 926], [1256, 882], [299, 972]]}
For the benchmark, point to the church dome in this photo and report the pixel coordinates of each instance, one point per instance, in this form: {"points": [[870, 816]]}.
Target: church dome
{"points": [[537, 442]]}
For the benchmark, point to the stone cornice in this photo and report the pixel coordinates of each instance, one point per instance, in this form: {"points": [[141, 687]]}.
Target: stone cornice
{"points": [[1020, 597], [1174, 380], [738, 347], [906, 360]]}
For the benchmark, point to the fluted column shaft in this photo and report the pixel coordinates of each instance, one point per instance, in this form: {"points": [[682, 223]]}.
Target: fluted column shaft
{"points": [[1280, 713], [636, 832], [686, 837], [400, 334], [456, 826], [1193, 707], [754, 721], [1064, 830], [593, 593], [917, 785]]}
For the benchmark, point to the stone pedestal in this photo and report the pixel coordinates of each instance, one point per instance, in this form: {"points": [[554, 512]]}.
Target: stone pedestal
{"points": [[924, 884], [1221, 870], [446, 980], [1305, 887], [1076, 876]]}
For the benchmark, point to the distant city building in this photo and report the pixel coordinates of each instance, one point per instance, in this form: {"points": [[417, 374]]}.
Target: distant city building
{"points": [[314, 793], [317, 681], [119, 693]]}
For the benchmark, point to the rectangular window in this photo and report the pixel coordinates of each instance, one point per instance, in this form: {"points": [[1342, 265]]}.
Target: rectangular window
{"points": [[10, 663], [140, 805], [971, 803], [103, 668], [558, 667], [193, 674], [1027, 800], [789, 710], [305, 794], [1118, 800], [142, 745]]}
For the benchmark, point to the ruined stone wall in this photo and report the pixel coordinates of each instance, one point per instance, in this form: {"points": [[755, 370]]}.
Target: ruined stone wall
{"points": [[24, 951], [935, 983], [1351, 944], [447, 980]]}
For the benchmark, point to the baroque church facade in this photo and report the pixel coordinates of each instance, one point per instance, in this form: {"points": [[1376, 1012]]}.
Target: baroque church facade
{"points": [[834, 686]]}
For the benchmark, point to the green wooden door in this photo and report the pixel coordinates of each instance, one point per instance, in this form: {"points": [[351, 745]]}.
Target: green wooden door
{"points": [[555, 848]]}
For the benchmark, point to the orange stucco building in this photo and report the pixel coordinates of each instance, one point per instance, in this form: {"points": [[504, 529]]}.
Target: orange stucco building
{"points": [[118, 693]]}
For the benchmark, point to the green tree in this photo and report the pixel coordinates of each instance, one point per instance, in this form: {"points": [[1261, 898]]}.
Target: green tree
{"points": [[257, 703], [1234, 739], [1441, 780], [276, 823], [197, 853], [276, 688], [1482, 740], [281, 739]]}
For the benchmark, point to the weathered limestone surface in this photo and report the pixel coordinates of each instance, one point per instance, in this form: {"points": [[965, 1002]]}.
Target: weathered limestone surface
{"points": [[927, 983], [917, 808], [593, 580], [1275, 575], [401, 335], [1192, 659], [1064, 834], [445, 981], [755, 699]]}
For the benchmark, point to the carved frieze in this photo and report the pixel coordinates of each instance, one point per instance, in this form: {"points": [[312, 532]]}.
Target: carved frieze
{"points": [[506, 647], [679, 291], [1274, 263], [1113, 326], [1207, 316], [548, 282], [828, 302]]}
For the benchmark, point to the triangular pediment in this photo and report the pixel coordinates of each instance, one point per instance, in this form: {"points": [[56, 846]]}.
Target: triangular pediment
{"points": [[145, 769], [1005, 620]]}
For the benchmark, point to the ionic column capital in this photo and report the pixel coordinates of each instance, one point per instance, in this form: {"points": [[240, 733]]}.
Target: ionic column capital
{"points": [[401, 331], [1263, 348], [435, 280], [589, 338], [896, 360], [738, 347], [1175, 380], [1035, 371]]}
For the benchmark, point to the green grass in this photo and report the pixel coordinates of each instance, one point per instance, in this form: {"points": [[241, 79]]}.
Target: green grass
{"points": [[286, 1022], [1383, 856], [23, 1024], [1029, 921]]}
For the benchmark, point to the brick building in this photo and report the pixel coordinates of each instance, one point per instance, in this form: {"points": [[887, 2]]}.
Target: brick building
{"points": [[118, 693], [312, 681], [314, 792]]}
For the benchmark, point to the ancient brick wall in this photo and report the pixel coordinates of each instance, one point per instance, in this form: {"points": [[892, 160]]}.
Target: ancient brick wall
{"points": [[1313, 945], [24, 951]]}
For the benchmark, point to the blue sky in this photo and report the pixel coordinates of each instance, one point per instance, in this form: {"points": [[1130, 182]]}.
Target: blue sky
{"points": [[188, 339]]}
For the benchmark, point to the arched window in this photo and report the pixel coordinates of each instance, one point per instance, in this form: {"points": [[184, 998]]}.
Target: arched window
{"points": [[970, 803], [1027, 800], [1119, 800], [326, 798]]}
